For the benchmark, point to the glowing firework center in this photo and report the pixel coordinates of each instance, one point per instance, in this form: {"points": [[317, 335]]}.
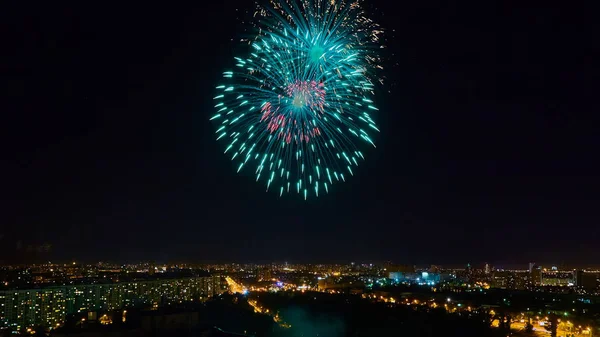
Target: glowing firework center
{"points": [[292, 117], [316, 52], [308, 94]]}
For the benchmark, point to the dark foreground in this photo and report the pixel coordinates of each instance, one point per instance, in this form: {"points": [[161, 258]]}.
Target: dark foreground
{"points": [[289, 315]]}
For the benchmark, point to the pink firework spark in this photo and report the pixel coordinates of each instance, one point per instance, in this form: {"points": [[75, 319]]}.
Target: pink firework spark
{"points": [[290, 124], [307, 93]]}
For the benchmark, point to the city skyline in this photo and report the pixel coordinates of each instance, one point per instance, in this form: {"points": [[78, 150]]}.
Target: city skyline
{"points": [[274, 263], [62, 297]]}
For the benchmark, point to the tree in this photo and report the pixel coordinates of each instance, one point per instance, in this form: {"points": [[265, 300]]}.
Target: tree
{"points": [[5, 333], [529, 327], [553, 325], [40, 331]]}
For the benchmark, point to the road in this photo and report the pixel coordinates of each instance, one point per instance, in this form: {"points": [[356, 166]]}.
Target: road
{"points": [[540, 331], [234, 286]]}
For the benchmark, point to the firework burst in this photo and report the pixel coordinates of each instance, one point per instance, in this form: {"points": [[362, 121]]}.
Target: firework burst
{"points": [[296, 111]]}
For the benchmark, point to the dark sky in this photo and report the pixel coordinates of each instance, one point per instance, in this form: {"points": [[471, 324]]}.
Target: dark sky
{"points": [[488, 148]]}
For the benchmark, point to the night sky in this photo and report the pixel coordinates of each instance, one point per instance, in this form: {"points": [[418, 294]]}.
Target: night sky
{"points": [[488, 150]]}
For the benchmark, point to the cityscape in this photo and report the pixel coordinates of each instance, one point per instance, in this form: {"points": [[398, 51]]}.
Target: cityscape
{"points": [[539, 300], [300, 168]]}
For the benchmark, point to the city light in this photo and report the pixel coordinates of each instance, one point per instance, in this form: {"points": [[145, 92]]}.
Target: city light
{"points": [[55, 291]]}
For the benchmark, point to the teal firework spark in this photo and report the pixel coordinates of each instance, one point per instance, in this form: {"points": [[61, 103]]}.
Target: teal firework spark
{"points": [[296, 111]]}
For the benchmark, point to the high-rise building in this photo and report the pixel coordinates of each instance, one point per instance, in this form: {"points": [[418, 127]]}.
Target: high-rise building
{"points": [[558, 278], [395, 271], [510, 280], [535, 276], [48, 307], [586, 280]]}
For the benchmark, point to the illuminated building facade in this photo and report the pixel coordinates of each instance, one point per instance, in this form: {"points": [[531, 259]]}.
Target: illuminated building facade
{"points": [[49, 306], [423, 278], [514, 280], [558, 278]]}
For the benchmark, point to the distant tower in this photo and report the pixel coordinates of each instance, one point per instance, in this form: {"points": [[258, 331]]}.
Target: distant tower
{"points": [[469, 271], [535, 274], [488, 268]]}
